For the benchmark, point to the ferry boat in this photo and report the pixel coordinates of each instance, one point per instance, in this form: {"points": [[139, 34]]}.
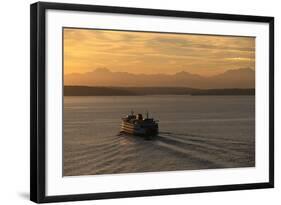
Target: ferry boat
{"points": [[137, 125]]}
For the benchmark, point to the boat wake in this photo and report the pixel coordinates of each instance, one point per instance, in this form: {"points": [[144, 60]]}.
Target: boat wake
{"points": [[168, 151], [208, 152]]}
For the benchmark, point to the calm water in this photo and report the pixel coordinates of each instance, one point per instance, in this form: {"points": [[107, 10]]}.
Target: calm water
{"points": [[196, 132]]}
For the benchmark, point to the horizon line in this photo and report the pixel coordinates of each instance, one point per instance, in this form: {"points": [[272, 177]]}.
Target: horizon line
{"points": [[171, 74]]}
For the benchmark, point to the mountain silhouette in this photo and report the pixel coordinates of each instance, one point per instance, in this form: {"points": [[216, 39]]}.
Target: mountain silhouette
{"points": [[236, 78]]}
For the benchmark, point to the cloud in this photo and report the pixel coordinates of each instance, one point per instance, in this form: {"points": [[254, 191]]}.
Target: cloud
{"points": [[144, 52]]}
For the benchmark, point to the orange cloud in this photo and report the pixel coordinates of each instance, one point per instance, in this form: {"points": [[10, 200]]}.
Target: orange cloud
{"points": [[146, 52]]}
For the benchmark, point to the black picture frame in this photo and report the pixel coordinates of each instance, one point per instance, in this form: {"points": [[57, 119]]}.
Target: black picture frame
{"points": [[37, 101]]}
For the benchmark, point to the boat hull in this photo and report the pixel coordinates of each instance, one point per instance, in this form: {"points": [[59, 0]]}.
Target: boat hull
{"points": [[133, 129]]}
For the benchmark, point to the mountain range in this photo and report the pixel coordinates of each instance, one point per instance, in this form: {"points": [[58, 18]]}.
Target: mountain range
{"points": [[236, 78]]}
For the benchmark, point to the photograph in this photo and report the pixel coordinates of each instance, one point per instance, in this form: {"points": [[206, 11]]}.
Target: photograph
{"points": [[143, 101], [139, 101]]}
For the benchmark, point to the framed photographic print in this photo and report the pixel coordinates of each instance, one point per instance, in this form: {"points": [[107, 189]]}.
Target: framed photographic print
{"points": [[129, 102]]}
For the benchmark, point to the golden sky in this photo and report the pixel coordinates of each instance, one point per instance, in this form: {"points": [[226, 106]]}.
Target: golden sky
{"points": [[142, 52]]}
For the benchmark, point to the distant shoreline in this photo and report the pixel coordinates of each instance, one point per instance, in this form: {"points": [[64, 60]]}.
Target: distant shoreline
{"points": [[141, 91]]}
